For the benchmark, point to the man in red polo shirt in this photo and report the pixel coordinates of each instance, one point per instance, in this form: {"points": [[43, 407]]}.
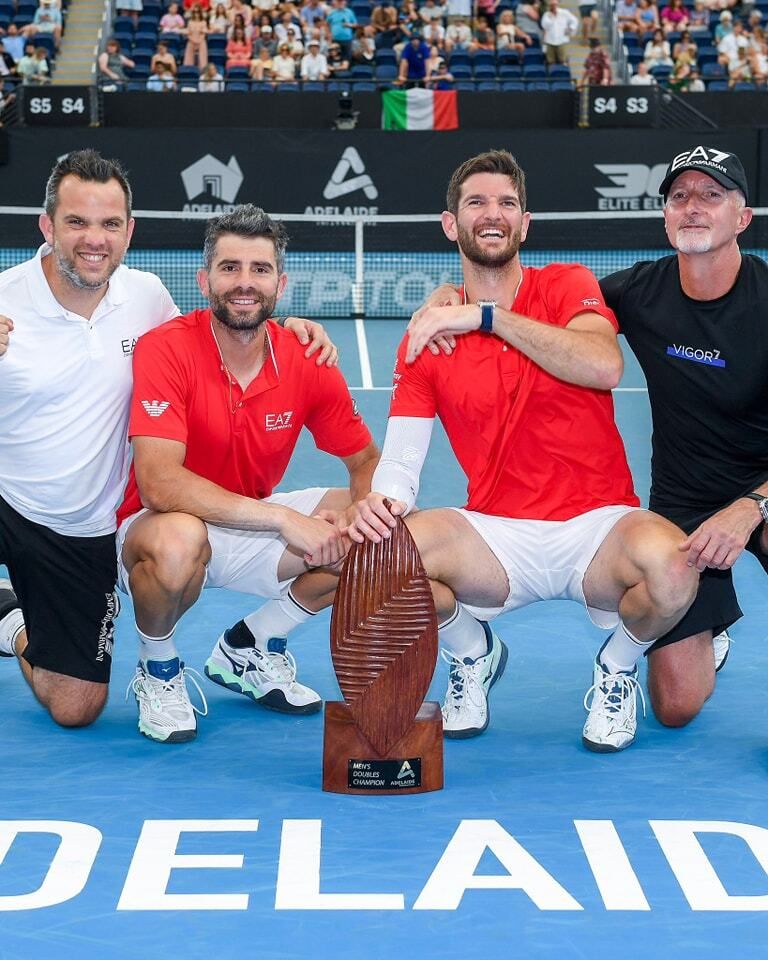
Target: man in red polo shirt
{"points": [[551, 513], [219, 399]]}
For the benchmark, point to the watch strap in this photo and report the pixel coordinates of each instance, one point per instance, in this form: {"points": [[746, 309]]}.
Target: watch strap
{"points": [[486, 315], [761, 501]]}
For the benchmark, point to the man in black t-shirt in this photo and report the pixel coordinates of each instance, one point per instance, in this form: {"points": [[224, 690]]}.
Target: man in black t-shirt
{"points": [[696, 322]]}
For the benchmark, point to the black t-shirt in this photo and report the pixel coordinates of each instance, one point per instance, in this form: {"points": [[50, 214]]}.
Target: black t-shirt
{"points": [[706, 365]]}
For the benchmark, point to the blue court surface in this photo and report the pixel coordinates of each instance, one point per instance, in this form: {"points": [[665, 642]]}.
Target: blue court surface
{"points": [[112, 846]]}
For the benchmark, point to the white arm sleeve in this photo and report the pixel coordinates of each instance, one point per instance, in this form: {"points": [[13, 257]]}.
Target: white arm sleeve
{"points": [[405, 449]]}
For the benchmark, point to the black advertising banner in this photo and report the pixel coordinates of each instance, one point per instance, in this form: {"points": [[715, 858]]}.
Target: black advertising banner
{"points": [[370, 173]]}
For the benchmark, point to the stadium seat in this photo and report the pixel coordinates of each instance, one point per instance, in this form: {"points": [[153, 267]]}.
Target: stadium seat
{"points": [[124, 24], [187, 74], [217, 41], [313, 86], [288, 87], [385, 55], [713, 71], [458, 57], [539, 85], [237, 73], [741, 86], [142, 58], [484, 57], [534, 71], [386, 71], [559, 71], [561, 85], [486, 86], [510, 85], [715, 85], [145, 38], [510, 71], [362, 71], [467, 85], [461, 71], [507, 55], [364, 86], [485, 71], [148, 22], [238, 86]]}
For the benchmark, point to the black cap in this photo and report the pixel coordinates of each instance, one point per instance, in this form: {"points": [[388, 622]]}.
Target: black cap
{"points": [[594, 41], [724, 167]]}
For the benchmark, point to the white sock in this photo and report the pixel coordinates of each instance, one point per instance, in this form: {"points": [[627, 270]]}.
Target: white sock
{"points": [[276, 619], [463, 636], [623, 650], [10, 627], [157, 648]]}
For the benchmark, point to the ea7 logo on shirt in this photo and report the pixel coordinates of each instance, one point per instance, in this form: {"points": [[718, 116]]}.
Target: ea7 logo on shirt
{"points": [[591, 302], [278, 421], [155, 408]]}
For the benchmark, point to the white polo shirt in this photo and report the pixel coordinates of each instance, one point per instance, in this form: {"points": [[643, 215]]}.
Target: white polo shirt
{"points": [[65, 390]]}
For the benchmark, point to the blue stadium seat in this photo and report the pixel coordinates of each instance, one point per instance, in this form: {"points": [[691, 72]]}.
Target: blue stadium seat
{"points": [[237, 86], [364, 86], [136, 85], [173, 41], [288, 87], [187, 73], [661, 72], [510, 71], [485, 71], [386, 71], [486, 86], [713, 71], [715, 85], [532, 56], [145, 38], [460, 71], [237, 73], [458, 57], [744, 85], [706, 54], [217, 41], [313, 86], [385, 55], [561, 85], [539, 85], [119, 23], [630, 41], [464, 85], [362, 71], [259, 87], [484, 57], [509, 85], [148, 22], [139, 72], [559, 71], [534, 71], [46, 42], [142, 57]]}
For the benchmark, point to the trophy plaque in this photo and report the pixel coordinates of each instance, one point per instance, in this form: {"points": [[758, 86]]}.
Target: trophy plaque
{"points": [[383, 738]]}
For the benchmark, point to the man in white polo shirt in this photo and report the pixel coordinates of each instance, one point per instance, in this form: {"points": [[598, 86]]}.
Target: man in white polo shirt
{"points": [[69, 320]]}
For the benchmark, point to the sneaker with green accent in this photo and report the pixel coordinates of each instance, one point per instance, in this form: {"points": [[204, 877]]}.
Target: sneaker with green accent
{"points": [[268, 677]]}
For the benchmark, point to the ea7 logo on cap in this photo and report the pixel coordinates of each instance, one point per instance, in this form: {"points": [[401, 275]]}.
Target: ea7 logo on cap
{"points": [[706, 155], [155, 408]]}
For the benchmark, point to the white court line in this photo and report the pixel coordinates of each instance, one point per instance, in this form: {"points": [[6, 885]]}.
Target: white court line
{"points": [[388, 389], [365, 360]]}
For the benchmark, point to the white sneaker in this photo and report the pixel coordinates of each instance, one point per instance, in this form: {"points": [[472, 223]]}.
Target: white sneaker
{"points": [[268, 676], [465, 710], [612, 721], [11, 619], [721, 647], [165, 711]]}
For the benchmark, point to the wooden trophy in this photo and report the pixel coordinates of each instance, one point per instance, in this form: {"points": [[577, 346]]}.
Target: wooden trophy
{"points": [[383, 738]]}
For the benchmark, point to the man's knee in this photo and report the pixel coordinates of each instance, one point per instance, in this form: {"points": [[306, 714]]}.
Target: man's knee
{"points": [[69, 701], [174, 548], [681, 678], [671, 583]]}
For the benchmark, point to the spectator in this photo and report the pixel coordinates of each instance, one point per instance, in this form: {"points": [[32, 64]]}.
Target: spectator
{"points": [[699, 17], [759, 55], [384, 23], [205, 6], [264, 41], [409, 21], [7, 98], [130, 8], [685, 50], [440, 78], [413, 67], [657, 52], [431, 63], [218, 22], [528, 18], [458, 35], [237, 8], [196, 50], [211, 81], [431, 11], [508, 34], [433, 34], [312, 11], [163, 55], [14, 42], [730, 48], [674, 17], [47, 20], [647, 16], [364, 44], [314, 65], [161, 79], [458, 8], [559, 25], [487, 9], [484, 38], [261, 65], [338, 64], [627, 16], [288, 31], [239, 49], [724, 26], [590, 19], [112, 66], [642, 77], [740, 68], [597, 66], [283, 65], [172, 21], [342, 22], [7, 63]]}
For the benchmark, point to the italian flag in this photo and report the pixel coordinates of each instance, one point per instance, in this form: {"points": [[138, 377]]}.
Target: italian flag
{"points": [[420, 110]]}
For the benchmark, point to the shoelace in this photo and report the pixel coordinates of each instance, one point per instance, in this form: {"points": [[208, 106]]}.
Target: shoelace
{"points": [[275, 667], [614, 688], [461, 680], [172, 689]]}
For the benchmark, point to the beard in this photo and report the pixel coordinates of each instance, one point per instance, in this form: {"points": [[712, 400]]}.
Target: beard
{"points": [[692, 242], [67, 267], [484, 258], [237, 320]]}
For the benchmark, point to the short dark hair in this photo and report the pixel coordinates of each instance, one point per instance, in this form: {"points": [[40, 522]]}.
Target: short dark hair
{"points": [[246, 220], [90, 167], [493, 161]]}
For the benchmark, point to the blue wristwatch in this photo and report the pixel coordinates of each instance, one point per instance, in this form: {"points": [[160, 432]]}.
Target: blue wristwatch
{"points": [[486, 315]]}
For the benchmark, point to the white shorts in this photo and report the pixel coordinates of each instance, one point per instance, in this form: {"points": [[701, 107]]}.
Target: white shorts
{"points": [[241, 560], [546, 559]]}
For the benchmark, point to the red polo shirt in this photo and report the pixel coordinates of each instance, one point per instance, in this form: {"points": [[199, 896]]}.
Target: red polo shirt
{"points": [[532, 446], [241, 441]]}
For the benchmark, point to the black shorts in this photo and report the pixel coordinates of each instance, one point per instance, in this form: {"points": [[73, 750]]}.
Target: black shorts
{"points": [[66, 588], [716, 606]]}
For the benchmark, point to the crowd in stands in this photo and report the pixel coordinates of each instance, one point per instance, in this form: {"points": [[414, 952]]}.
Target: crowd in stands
{"points": [[709, 44], [30, 35], [281, 44]]}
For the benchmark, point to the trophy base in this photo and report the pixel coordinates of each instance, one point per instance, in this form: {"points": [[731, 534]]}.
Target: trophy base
{"points": [[413, 765]]}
